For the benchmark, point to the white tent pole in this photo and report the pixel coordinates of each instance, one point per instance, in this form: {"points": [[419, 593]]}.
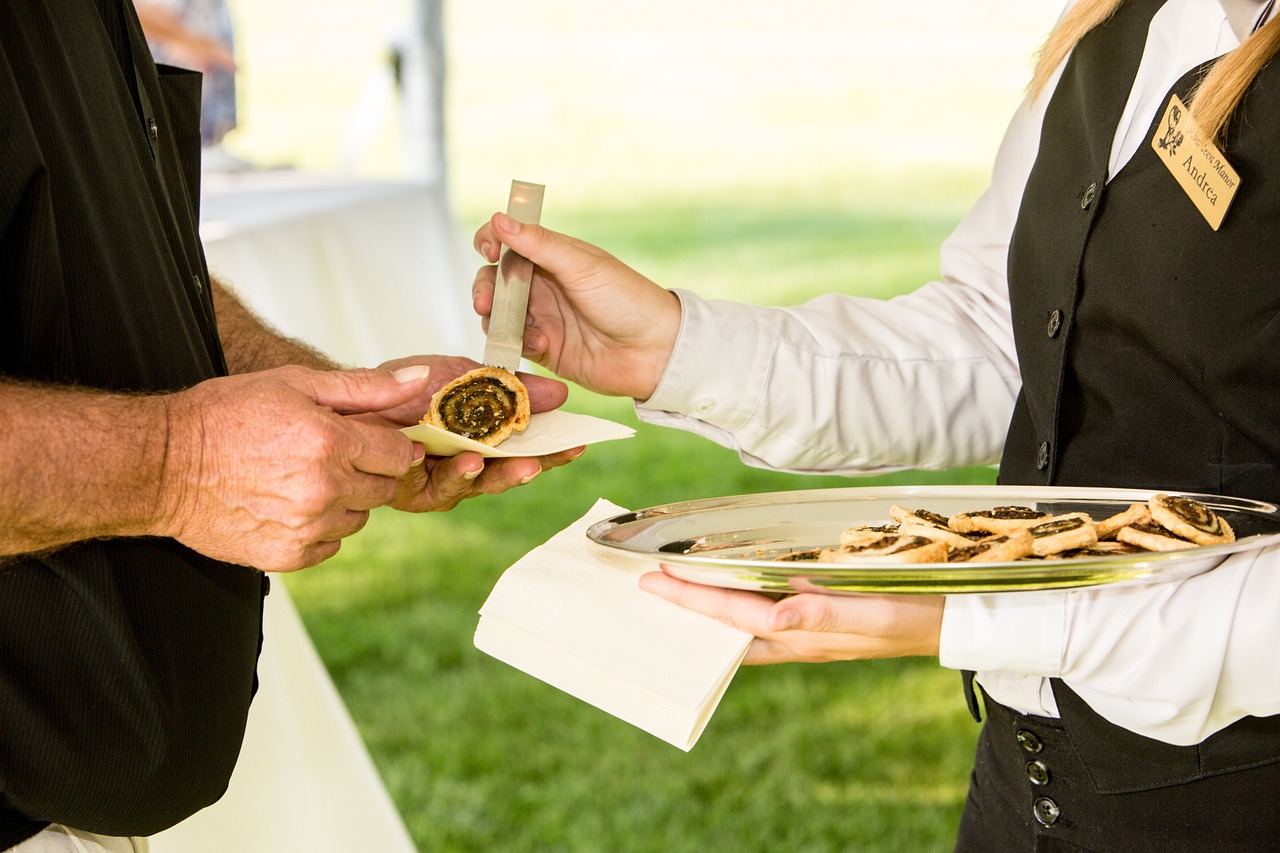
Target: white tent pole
{"points": [[422, 92]]}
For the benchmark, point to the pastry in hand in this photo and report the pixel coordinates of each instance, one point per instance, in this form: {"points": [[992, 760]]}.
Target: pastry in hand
{"points": [[486, 405]]}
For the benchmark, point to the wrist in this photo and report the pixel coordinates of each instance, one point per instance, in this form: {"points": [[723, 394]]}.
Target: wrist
{"points": [[182, 430], [665, 332]]}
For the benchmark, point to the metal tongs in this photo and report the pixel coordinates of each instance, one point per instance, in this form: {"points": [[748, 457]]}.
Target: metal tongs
{"points": [[504, 344]]}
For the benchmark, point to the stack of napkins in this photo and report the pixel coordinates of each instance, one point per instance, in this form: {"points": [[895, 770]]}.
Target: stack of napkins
{"points": [[571, 614]]}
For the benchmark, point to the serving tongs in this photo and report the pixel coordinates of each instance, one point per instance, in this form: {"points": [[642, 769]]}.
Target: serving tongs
{"points": [[504, 344]]}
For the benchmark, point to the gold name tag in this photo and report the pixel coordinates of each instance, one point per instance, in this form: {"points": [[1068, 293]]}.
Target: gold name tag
{"points": [[1196, 163]]}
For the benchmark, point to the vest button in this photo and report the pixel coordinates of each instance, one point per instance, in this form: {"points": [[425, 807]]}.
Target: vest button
{"points": [[1046, 811], [1028, 741], [1042, 456], [1055, 323], [1086, 198], [1038, 773], [154, 129]]}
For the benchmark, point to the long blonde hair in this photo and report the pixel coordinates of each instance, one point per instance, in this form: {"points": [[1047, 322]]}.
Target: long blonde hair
{"points": [[1218, 94]]}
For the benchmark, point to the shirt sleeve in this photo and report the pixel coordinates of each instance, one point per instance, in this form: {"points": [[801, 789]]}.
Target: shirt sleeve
{"points": [[855, 385], [1175, 661]]}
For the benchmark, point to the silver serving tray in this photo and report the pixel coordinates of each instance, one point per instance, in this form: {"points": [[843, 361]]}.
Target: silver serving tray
{"points": [[743, 542]]}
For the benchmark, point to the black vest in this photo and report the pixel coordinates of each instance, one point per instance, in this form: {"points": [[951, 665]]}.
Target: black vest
{"points": [[1149, 343]]}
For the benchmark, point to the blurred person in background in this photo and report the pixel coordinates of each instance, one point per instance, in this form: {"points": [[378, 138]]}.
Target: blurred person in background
{"points": [[1093, 325], [198, 34]]}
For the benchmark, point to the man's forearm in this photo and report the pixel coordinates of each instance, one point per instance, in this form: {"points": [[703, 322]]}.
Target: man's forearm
{"points": [[250, 344], [78, 465]]}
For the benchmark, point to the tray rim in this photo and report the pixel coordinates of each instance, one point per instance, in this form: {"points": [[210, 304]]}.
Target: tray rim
{"points": [[966, 577]]}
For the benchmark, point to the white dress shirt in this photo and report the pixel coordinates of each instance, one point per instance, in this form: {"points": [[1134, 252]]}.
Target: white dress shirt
{"points": [[853, 385]]}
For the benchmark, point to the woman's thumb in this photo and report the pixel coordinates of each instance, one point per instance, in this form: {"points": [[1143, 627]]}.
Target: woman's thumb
{"points": [[538, 244]]}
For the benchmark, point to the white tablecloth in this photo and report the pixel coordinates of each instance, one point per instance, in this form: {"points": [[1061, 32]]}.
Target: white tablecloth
{"points": [[304, 781], [362, 270]]}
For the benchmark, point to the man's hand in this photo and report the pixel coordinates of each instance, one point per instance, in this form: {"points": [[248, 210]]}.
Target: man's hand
{"points": [[435, 484], [264, 469]]}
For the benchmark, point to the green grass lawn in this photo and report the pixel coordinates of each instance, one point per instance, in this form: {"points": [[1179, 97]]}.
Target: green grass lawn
{"points": [[479, 756], [748, 150]]}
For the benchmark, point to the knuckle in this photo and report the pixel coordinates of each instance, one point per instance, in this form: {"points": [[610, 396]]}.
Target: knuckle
{"points": [[544, 237], [316, 439], [816, 613], [360, 519], [387, 490]]}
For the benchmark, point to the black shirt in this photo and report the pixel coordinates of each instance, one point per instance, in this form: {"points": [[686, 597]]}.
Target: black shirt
{"points": [[127, 665]]}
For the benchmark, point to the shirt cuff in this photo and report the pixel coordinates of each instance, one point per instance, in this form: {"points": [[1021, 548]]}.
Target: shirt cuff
{"points": [[1021, 632], [705, 375]]}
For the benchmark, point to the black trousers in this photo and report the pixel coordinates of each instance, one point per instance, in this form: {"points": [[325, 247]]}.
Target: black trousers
{"points": [[1029, 791]]}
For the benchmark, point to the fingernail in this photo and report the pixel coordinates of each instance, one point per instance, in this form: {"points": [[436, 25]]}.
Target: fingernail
{"points": [[471, 475], [531, 476], [485, 249], [507, 223], [412, 372], [418, 455]]}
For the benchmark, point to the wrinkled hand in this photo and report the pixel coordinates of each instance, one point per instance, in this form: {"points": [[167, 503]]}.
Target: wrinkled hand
{"points": [[435, 484], [591, 318], [814, 627], [264, 469]]}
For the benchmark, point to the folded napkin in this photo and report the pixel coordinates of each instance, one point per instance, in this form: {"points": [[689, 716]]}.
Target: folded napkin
{"points": [[570, 613]]}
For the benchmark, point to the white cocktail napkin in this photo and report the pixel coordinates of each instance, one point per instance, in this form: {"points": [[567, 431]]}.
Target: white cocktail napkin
{"points": [[571, 614], [548, 432]]}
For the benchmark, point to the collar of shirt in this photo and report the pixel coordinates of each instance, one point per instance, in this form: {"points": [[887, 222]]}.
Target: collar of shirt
{"points": [[1245, 15], [1183, 34]]}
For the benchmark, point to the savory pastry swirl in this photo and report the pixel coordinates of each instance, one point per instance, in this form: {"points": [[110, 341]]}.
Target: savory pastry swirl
{"points": [[1011, 533], [486, 405], [1190, 519]]}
